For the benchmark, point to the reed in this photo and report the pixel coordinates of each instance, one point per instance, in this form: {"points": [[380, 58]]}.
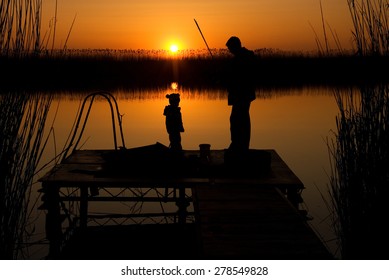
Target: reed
{"points": [[20, 25], [22, 125], [360, 175], [359, 180], [371, 26], [22, 122], [112, 70]]}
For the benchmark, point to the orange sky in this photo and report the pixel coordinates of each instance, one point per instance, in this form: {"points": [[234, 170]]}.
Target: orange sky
{"points": [[156, 24]]}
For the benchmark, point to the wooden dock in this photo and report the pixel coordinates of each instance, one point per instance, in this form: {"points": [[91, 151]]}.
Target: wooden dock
{"points": [[238, 222], [240, 211]]}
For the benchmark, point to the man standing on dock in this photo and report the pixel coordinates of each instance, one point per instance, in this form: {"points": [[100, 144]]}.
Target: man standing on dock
{"points": [[241, 92]]}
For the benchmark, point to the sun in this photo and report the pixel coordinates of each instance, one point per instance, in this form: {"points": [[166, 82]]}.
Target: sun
{"points": [[173, 48]]}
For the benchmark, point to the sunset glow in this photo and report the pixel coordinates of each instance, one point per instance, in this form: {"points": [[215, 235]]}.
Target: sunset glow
{"points": [[174, 48], [121, 24], [174, 85]]}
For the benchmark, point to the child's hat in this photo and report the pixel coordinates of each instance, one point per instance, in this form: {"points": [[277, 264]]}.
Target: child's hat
{"points": [[173, 96]]}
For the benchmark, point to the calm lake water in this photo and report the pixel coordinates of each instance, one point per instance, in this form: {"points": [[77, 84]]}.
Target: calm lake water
{"points": [[294, 122]]}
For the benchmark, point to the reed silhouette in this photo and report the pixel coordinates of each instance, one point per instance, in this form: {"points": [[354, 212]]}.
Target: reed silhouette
{"points": [[359, 153], [113, 70], [20, 26], [22, 122]]}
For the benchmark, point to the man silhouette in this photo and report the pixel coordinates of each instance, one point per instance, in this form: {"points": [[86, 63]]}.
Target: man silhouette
{"points": [[241, 92]]}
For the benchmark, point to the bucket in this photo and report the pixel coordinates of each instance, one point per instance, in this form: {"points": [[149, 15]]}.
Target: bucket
{"points": [[205, 151]]}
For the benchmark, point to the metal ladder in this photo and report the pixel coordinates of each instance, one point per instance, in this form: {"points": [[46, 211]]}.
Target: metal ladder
{"points": [[113, 106]]}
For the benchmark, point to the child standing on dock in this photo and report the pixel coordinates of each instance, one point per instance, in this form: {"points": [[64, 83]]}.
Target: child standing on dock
{"points": [[174, 125]]}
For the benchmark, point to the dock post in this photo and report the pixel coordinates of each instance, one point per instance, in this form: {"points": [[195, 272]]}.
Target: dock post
{"points": [[294, 197], [83, 207], [53, 220], [182, 205]]}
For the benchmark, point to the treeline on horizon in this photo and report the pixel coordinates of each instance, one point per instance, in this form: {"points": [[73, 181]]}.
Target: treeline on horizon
{"points": [[133, 69]]}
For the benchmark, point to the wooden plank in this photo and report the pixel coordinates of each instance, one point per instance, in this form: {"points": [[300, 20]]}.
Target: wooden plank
{"points": [[87, 156], [253, 223], [87, 166]]}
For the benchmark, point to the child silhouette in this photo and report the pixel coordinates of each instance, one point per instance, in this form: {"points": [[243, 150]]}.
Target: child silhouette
{"points": [[174, 125]]}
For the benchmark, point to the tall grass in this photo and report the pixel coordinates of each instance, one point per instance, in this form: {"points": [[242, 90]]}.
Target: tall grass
{"points": [[20, 25], [22, 122], [360, 175], [371, 26], [359, 181]]}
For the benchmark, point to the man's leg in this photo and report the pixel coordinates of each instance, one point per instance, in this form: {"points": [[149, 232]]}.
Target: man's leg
{"points": [[240, 126]]}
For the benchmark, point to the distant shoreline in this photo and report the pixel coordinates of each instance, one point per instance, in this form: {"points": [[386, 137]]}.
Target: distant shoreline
{"points": [[110, 70]]}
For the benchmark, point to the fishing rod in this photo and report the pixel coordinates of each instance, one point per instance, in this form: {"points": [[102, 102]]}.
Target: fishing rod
{"points": [[203, 38]]}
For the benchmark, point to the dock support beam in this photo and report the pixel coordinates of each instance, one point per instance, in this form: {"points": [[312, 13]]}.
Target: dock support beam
{"points": [[53, 221], [84, 207], [182, 204]]}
